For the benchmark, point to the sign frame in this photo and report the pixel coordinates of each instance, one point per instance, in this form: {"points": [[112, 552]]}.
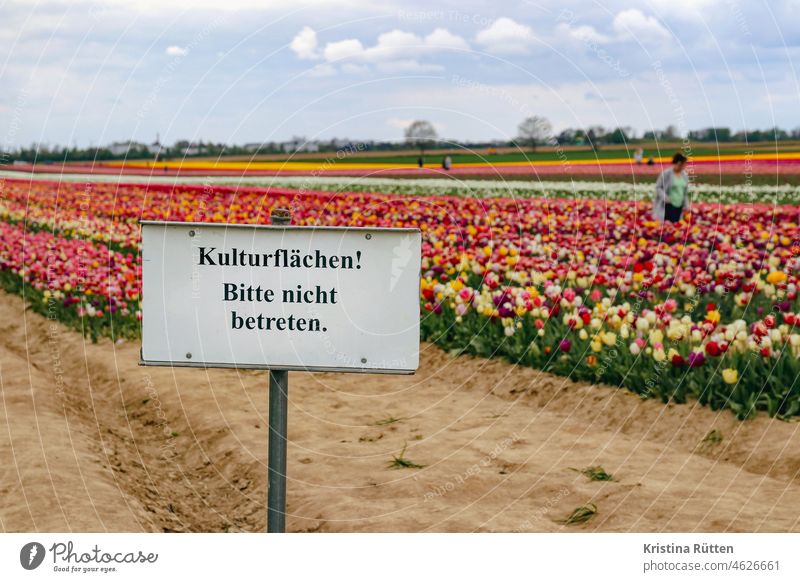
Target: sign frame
{"points": [[254, 366]]}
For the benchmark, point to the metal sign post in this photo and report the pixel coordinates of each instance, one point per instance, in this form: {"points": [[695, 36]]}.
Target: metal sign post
{"points": [[278, 432], [276, 477]]}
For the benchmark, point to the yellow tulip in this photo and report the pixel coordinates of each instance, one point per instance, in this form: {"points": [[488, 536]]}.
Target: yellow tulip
{"points": [[730, 375], [776, 277]]}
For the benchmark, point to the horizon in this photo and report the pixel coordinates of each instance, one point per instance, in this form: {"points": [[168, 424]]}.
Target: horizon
{"points": [[440, 142]]}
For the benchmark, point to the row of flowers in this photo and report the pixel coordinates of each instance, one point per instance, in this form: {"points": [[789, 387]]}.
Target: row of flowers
{"points": [[461, 188], [672, 351], [84, 284], [521, 189], [733, 251]]}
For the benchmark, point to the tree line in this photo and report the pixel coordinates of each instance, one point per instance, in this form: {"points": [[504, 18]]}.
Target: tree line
{"points": [[421, 134]]}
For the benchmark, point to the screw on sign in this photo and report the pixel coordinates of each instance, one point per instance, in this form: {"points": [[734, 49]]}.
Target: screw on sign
{"points": [[280, 298]]}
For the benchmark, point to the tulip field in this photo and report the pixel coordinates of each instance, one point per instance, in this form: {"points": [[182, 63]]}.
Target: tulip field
{"points": [[587, 287], [765, 194]]}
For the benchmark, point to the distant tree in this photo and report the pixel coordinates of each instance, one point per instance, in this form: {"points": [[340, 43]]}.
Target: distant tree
{"points": [[534, 130], [619, 135], [591, 137], [581, 137], [420, 133], [698, 135], [713, 134], [568, 136], [595, 135], [722, 133], [670, 133]]}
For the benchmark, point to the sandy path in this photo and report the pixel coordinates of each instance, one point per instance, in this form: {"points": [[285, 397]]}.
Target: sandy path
{"points": [[90, 441]]}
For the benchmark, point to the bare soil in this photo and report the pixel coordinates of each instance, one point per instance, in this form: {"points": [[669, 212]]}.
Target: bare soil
{"points": [[90, 441]]}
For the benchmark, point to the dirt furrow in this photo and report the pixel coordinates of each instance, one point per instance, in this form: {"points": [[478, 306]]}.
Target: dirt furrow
{"points": [[95, 442]]}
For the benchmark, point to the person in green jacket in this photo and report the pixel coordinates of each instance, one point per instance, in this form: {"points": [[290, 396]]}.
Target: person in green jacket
{"points": [[672, 191]]}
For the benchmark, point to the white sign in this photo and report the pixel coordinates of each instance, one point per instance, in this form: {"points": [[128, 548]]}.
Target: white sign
{"points": [[292, 298]]}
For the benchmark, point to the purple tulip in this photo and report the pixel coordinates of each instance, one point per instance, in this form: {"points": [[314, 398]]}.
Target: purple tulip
{"points": [[504, 311], [696, 359]]}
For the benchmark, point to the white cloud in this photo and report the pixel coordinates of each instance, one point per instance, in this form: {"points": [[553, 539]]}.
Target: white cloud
{"points": [[343, 49], [176, 51], [627, 25], [444, 39], [304, 44], [506, 36], [633, 24], [393, 45], [583, 33], [396, 51]]}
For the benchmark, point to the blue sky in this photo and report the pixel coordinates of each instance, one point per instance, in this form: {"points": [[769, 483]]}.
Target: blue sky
{"points": [[240, 71]]}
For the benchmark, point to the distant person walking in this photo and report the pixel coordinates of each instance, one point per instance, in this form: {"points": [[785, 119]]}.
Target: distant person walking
{"points": [[638, 156], [672, 191], [446, 163], [420, 162]]}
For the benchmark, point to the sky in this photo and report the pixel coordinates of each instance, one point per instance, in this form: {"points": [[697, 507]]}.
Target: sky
{"points": [[236, 71]]}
